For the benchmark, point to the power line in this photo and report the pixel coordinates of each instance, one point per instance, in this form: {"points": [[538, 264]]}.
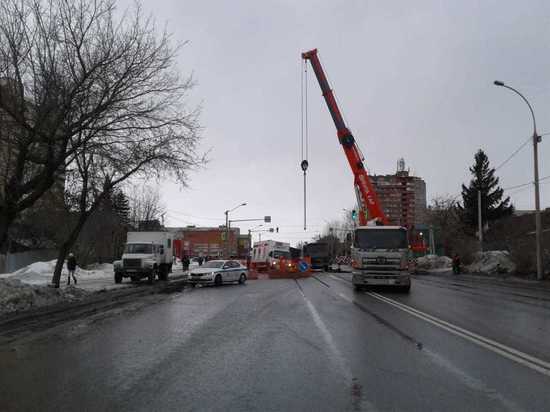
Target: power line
{"points": [[196, 217], [514, 153], [525, 184], [517, 186]]}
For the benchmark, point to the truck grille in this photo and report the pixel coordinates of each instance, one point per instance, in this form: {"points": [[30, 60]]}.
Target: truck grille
{"points": [[131, 263], [382, 260]]}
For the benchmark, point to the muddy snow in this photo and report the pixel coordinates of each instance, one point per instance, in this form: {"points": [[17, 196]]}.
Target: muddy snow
{"points": [[28, 287]]}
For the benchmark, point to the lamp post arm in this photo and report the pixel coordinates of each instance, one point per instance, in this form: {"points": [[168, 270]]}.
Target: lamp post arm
{"points": [[528, 104]]}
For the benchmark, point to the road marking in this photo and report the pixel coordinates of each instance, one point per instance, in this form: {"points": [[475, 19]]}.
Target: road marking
{"points": [[337, 357], [470, 381], [515, 355], [321, 281]]}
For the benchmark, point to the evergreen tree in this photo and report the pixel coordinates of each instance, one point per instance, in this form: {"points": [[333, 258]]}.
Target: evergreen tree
{"points": [[492, 205], [121, 206]]}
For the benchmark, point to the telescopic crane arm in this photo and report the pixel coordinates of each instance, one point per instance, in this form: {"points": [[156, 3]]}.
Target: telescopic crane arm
{"points": [[366, 194]]}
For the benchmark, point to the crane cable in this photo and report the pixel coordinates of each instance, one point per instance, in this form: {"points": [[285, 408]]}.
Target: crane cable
{"points": [[304, 132]]}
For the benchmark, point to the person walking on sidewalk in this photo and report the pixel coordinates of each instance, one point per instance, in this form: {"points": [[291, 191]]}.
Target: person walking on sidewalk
{"points": [[456, 264], [71, 267]]}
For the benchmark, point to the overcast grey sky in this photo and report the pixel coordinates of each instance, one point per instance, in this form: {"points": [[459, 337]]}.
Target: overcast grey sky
{"points": [[414, 79]]}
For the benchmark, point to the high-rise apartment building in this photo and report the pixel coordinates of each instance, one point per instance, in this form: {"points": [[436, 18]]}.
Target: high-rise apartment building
{"points": [[402, 196]]}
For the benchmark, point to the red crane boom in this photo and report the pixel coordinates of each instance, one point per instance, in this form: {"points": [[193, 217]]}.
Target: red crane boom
{"points": [[367, 196]]}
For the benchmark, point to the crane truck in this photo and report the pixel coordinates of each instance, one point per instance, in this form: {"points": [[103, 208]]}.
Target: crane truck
{"points": [[380, 253]]}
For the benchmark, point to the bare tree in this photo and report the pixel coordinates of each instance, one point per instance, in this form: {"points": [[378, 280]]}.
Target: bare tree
{"points": [[450, 233], [74, 79], [145, 204]]}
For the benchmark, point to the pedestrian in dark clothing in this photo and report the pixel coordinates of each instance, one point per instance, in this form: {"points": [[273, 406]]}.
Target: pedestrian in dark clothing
{"points": [[200, 260], [185, 263], [456, 264], [71, 267]]}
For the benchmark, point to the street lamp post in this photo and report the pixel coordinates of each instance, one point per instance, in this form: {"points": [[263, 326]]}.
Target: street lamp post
{"points": [[227, 228], [536, 141]]}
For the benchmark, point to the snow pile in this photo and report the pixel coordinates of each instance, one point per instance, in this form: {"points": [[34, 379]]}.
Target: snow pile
{"points": [[492, 262], [430, 262], [40, 273], [17, 296]]}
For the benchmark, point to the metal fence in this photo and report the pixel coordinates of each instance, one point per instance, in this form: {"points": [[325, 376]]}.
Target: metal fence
{"points": [[14, 261]]}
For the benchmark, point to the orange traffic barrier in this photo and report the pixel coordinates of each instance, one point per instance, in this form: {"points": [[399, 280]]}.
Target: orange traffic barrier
{"points": [[280, 269]]}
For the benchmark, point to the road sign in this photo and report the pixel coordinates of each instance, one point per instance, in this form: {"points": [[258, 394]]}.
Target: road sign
{"points": [[303, 266], [267, 219]]}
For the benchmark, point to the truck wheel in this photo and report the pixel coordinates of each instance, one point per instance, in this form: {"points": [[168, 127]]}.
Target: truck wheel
{"points": [[405, 289], [218, 280], [134, 278], [118, 277], [242, 279]]}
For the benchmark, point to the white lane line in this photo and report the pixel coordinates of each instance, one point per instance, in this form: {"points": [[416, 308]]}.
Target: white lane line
{"points": [[511, 353], [337, 358], [469, 381], [515, 355]]}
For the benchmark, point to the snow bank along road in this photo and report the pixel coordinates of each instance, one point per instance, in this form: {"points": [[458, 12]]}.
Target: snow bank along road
{"points": [[41, 318], [310, 344]]}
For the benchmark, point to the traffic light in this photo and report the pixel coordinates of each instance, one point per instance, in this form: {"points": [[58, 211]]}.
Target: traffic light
{"points": [[354, 214], [277, 230]]}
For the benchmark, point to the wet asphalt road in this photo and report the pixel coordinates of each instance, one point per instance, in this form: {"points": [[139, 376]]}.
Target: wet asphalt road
{"points": [[311, 344]]}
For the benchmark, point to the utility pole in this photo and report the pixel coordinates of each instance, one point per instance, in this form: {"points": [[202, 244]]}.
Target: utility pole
{"points": [[432, 240], [249, 242], [479, 222], [536, 141], [227, 222], [538, 222], [226, 234]]}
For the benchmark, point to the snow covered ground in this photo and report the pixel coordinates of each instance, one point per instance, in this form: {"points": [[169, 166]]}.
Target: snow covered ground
{"points": [[97, 277], [28, 287], [434, 263], [17, 296], [492, 262]]}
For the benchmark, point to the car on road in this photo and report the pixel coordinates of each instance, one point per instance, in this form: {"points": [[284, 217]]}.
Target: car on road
{"points": [[218, 272]]}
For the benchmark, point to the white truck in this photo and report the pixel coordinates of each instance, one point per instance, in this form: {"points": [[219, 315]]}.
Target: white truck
{"points": [[380, 256], [146, 255], [266, 253]]}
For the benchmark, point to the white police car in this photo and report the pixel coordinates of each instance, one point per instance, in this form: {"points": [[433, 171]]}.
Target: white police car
{"points": [[218, 272]]}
